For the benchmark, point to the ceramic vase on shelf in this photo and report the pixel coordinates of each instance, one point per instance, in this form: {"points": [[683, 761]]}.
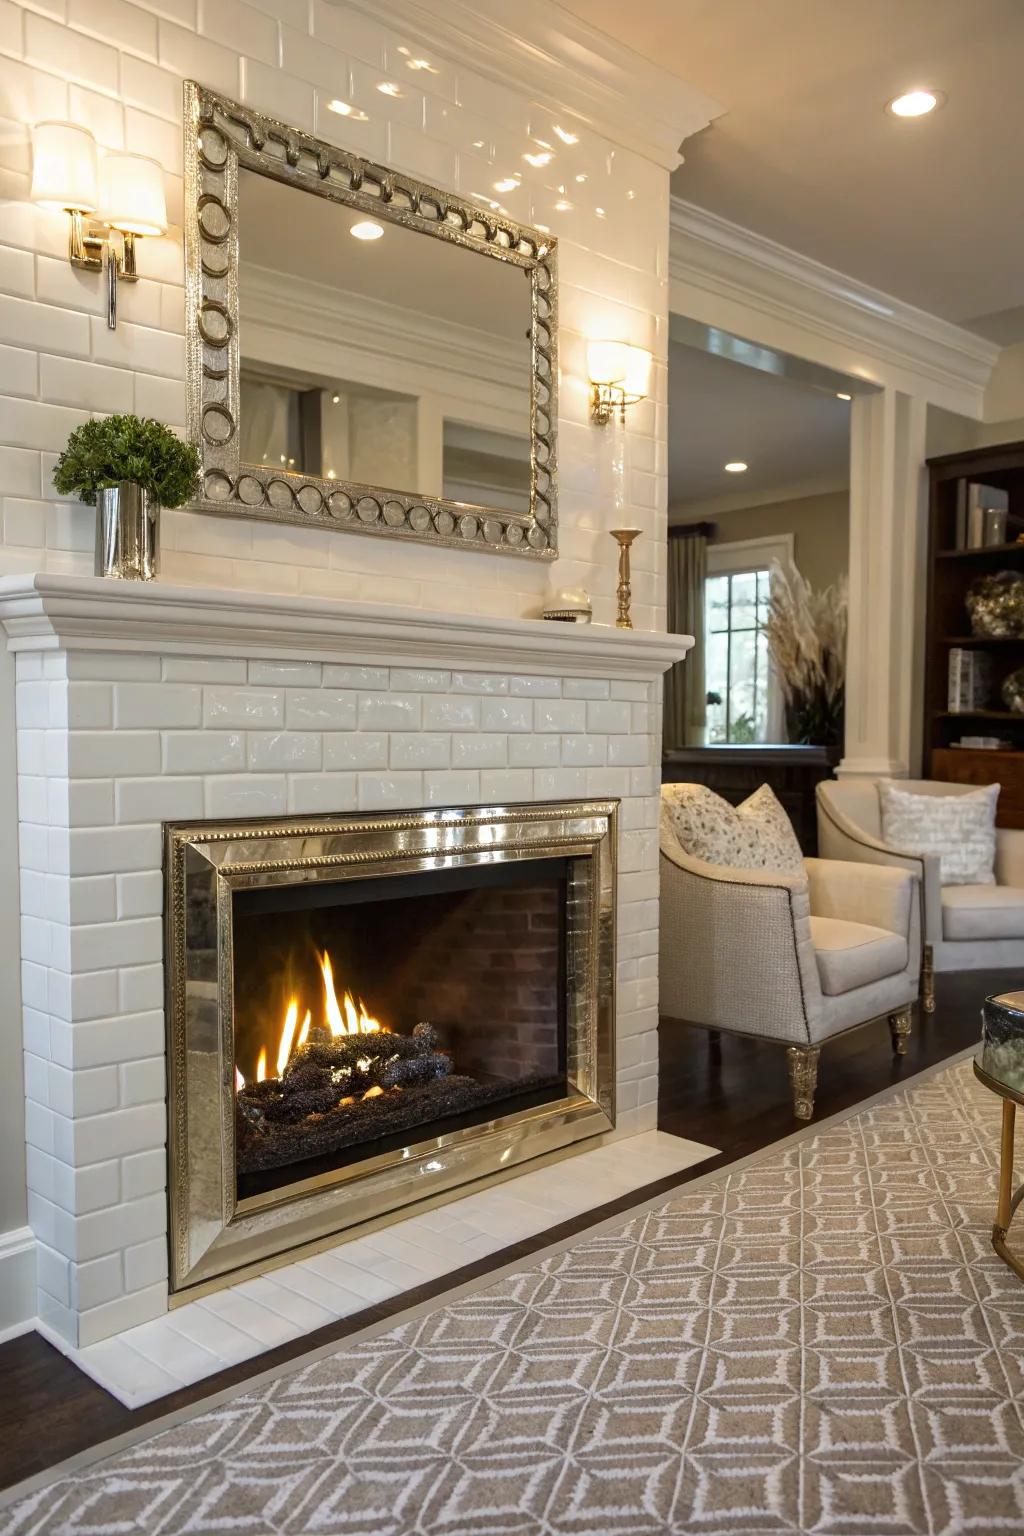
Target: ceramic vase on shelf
{"points": [[127, 532]]}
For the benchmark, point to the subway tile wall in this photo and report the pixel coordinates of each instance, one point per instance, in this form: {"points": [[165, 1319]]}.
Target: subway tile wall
{"points": [[250, 740], [118, 67], [110, 746]]}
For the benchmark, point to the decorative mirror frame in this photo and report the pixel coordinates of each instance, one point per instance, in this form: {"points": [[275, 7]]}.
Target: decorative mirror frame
{"points": [[221, 136]]}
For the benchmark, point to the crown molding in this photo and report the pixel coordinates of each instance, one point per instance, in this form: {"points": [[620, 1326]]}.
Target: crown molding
{"points": [[882, 338], [52, 611], [561, 62]]}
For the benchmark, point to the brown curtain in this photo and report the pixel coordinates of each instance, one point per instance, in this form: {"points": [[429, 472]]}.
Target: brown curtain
{"points": [[684, 683]]}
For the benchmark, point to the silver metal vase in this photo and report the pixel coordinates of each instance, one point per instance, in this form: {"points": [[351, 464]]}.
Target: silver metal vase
{"points": [[127, 533]]}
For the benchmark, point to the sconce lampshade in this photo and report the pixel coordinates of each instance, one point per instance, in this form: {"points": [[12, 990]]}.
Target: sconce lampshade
{"points": [[619, 364], [607, 361], [132, 194], [637, 382], [64, 167]]}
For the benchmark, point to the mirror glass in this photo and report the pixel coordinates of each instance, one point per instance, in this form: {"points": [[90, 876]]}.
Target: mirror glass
{"points": [[400, 361]]}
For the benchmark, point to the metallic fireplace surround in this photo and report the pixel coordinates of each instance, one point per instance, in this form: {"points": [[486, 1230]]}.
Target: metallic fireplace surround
{"points": [[214, 1236]]}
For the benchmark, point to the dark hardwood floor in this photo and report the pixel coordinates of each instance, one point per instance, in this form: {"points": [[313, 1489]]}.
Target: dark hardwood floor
{"points": [[735, 1097], [736, 1094]]}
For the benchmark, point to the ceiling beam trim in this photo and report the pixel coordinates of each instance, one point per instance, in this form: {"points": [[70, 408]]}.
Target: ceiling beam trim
{"points": [[776, 297]]}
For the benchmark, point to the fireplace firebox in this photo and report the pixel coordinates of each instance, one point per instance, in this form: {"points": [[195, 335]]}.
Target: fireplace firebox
{"points": [[365, 1012]]}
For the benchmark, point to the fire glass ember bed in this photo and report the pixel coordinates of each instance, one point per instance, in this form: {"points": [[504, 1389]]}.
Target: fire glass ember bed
{"points": [[365, 1012]]}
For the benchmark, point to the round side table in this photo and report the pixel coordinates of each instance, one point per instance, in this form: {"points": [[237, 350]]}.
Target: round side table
{"points": [[999, 1064]]}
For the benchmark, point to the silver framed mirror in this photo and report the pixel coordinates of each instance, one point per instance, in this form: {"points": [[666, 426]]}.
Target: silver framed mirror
{"points": [[339, 373]]}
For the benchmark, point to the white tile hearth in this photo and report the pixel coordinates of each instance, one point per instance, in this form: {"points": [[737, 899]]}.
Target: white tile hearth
{"points": [[202, 1337]]}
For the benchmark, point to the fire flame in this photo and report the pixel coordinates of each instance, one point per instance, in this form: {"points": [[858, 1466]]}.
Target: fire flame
{"points": [[355, 1021], [347, 1017]]}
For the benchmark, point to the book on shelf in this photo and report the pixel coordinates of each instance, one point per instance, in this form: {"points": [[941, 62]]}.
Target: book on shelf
{"points": [[973, 500], [983, 743], [970, 680]]}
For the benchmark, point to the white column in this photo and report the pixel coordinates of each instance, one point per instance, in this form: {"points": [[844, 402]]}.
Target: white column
{"points": [[887, 549]]}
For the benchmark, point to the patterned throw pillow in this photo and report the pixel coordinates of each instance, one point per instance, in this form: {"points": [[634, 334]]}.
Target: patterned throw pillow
{"points": [[755, 835], [960, 828]]}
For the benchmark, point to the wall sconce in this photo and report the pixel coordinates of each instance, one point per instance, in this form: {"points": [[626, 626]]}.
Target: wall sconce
{"points": [[125, 191], [620, 375]]}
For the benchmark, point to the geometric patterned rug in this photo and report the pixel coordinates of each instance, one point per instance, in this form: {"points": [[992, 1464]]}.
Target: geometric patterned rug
{"points": [[822, 1341]]}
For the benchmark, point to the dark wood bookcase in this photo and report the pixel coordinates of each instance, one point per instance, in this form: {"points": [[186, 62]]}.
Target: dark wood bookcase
{"points": [[950, 574]]}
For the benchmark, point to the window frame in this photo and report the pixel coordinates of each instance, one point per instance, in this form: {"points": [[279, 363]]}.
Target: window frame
{"points": [[740, 557]]}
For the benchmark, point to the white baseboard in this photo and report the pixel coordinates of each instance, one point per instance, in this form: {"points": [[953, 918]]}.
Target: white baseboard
{"points": [[17, 1282]]}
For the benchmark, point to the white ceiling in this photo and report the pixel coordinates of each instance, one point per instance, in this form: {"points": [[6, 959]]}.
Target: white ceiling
{"points": [[930, 210], [794, 438]]}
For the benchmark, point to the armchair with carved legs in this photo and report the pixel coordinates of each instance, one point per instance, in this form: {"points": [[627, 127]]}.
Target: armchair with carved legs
{"points": [[797, 958]]}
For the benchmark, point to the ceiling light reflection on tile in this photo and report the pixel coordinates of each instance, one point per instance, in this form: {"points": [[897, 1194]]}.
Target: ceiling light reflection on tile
{"points": [[543, 157], [389, 88], [346, 109], [565, 135], [507, 184]]}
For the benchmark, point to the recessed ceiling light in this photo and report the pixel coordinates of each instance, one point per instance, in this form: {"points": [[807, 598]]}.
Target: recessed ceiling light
{"points": [[842, 395], [335, 399], [735, 467], [367, 229], [543, 158], [914, 103], [388, 88], [346, 109], [565, 136]]}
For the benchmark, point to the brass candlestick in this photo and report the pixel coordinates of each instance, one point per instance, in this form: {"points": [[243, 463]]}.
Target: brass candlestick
{"points": [[624, 538]]}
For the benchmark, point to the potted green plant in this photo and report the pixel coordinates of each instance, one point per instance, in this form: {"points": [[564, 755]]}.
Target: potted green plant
{"points": [[128, 468]]}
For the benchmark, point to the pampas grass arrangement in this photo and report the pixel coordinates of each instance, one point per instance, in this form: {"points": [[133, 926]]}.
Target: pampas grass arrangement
{"points": [[807, 639]]}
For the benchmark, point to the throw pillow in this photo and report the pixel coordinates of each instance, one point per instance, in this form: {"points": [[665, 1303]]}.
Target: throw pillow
{"points": [[961, 829], [755, 835]]}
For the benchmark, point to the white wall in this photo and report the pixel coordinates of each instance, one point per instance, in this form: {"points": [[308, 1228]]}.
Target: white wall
{"points": [[118, 68], [820, 526]]}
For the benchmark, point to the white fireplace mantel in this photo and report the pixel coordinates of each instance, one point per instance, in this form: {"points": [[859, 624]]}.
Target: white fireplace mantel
{"points": [[46, 612], [142, 704]]}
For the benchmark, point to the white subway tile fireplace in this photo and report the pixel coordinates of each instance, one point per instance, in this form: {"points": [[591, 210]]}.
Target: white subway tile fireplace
{"points": [[140, 706]]}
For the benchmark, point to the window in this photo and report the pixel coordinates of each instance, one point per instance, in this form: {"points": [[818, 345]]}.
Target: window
{"points": [[736, 670]]}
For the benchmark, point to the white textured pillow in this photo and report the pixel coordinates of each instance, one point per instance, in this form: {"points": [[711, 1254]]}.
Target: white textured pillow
{"points": [[961, 829], [755, 835]]}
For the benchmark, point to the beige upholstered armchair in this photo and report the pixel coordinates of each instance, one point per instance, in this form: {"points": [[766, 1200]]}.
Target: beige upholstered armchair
{"points": [[797, 958], [964, 927]]}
